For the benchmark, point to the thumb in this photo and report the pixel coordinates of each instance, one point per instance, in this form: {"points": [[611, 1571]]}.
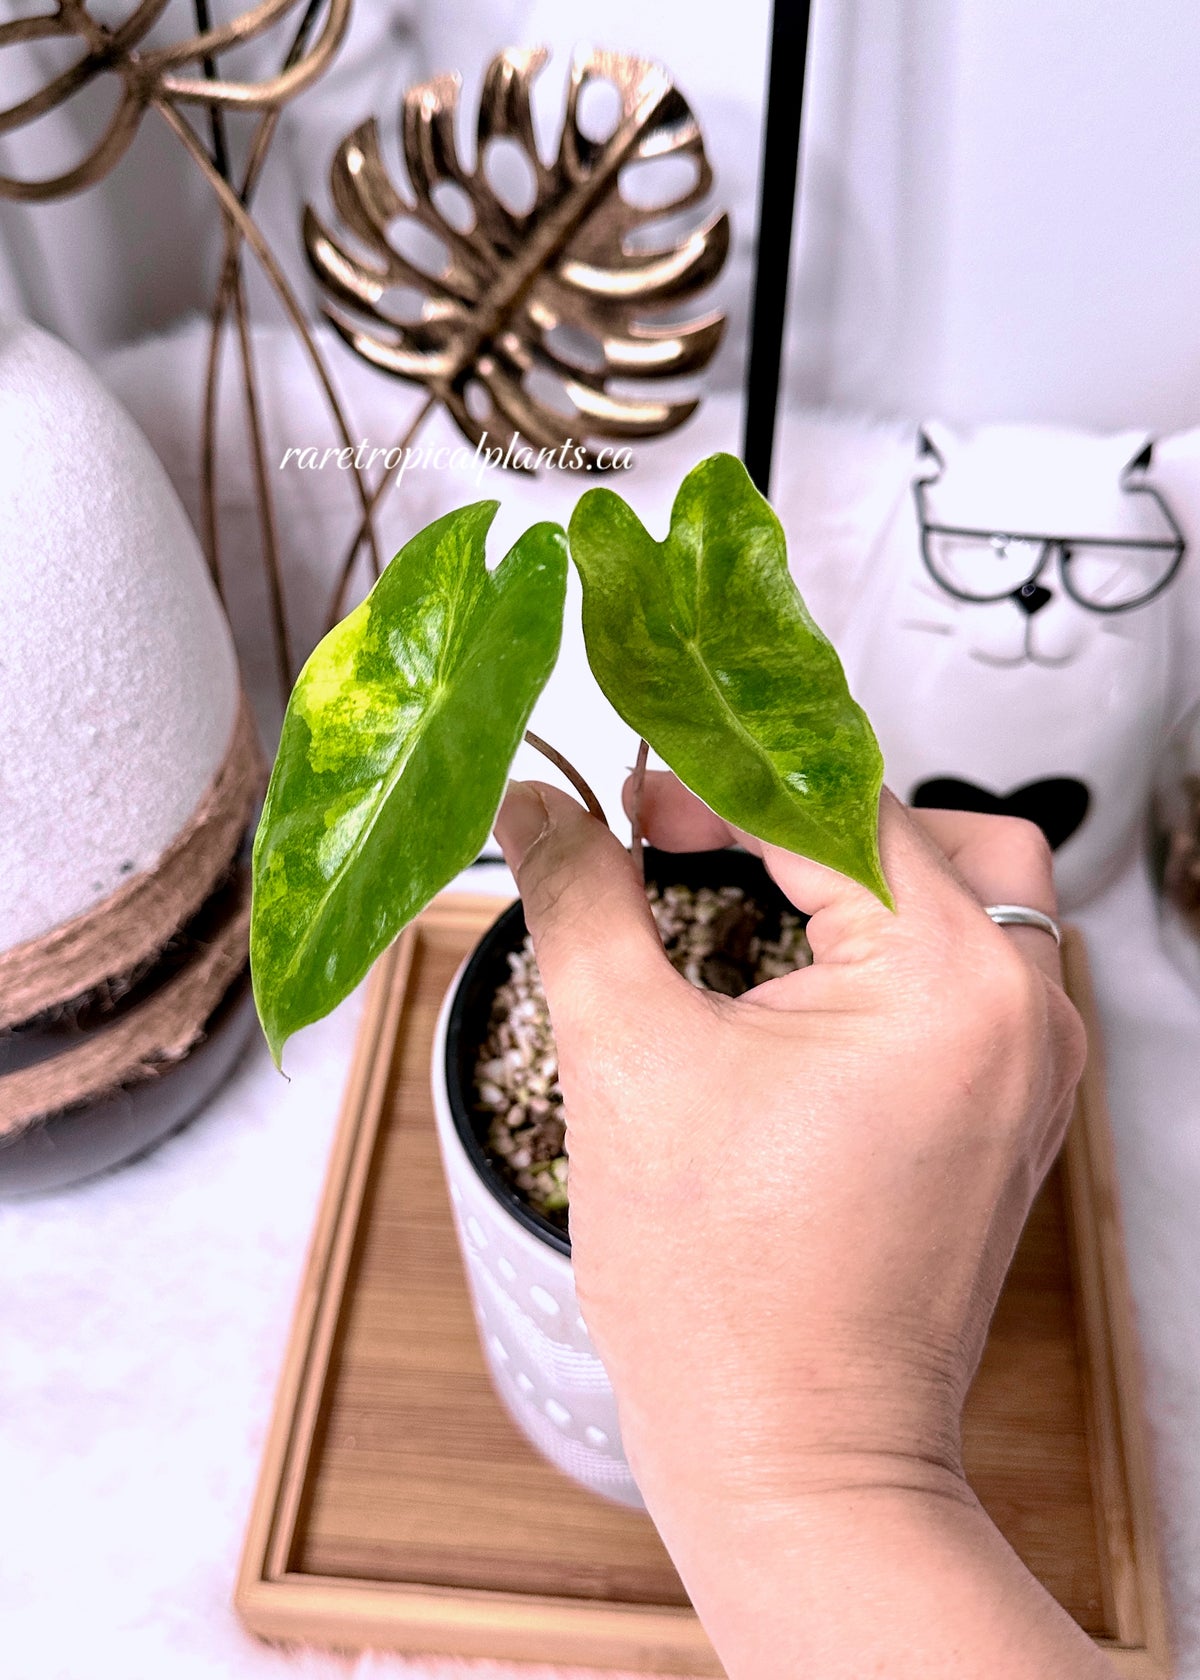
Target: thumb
{"points": [[596, 941]]}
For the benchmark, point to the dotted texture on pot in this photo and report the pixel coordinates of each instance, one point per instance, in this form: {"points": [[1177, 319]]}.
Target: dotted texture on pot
{"points": [[536, 1344]]}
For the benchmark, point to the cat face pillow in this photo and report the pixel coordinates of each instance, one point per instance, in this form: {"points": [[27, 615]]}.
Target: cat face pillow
{"points": [[1014, 646]]}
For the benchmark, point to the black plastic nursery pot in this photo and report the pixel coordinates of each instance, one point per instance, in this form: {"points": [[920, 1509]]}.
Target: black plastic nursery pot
{"points": [[66, 1146], [79, 1143], [487, 970]]}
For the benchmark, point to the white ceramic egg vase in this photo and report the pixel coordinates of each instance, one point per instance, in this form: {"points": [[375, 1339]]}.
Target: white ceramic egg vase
{"points": [[131, 768], [517, 1263]]}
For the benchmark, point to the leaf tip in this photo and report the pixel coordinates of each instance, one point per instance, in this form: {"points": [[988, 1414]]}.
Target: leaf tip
{"points": [[870, 872], [273, 1030], [591, 502], [728, 474], [275, 1035], [548, 532]]}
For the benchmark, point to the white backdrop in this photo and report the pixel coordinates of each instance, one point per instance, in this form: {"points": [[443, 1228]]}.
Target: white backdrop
{"points": [[1000, 215], [999, 203]]}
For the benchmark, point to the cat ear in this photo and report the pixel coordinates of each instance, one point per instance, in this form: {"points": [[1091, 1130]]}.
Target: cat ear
{"points": [[1142, 461], [930, 451]]}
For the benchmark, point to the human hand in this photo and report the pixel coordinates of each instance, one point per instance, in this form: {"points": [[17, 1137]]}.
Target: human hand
{"points": [[791, 1213]]}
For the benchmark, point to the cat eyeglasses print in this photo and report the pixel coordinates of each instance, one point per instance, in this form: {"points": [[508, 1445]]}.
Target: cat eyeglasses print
{"points": [[1100, 574]]}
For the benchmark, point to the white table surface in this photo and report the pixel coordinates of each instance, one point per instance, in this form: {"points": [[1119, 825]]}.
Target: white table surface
{"points": [[143, 1324]]}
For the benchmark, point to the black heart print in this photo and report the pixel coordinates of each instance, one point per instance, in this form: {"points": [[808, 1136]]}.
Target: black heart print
{"points": [[1057, 805]]}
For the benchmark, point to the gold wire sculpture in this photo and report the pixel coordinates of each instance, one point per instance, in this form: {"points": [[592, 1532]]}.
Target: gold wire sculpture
{"points": [[154, 80], [152, 76], [512, 278]]}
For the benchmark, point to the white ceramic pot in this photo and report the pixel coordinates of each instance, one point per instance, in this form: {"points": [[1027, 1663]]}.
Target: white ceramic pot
{"points": [[518, 1266]]}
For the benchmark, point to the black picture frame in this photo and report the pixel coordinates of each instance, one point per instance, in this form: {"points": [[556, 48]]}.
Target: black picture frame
{"points": [[790, 30]]}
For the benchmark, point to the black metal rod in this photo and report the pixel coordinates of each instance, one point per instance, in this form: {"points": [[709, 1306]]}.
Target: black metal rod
{"points": [[216, 117], [776, 214]]}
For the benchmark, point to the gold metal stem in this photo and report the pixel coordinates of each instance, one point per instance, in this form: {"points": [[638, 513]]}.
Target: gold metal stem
{"points": [[236, 211], [262, 484], [208, 439], [351, 555], [229, 280]]}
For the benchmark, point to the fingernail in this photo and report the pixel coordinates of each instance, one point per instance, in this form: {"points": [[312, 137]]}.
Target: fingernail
{"points": [[521, 820]]}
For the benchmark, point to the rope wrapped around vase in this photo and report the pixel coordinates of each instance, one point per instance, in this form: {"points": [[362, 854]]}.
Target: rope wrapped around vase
{"points": [[137, 976]]}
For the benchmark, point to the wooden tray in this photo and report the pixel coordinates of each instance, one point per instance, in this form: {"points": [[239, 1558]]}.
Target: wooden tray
{"points": [[399, 1508]]}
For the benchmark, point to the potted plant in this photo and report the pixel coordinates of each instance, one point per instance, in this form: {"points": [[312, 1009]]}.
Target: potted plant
{"points": [[394, 756]]}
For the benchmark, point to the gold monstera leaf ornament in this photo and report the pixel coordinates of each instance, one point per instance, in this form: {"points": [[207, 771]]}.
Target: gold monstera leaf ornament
{"points": [[544, 319]]}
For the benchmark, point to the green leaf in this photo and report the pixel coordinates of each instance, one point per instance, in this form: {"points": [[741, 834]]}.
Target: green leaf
{"points": [[396, 745], [704, 645]]}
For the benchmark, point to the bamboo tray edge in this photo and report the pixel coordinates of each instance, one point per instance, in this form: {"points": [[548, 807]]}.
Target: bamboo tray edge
{"points": [[281, 1604]]}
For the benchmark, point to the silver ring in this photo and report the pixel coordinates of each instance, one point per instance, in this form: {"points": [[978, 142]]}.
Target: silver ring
{"points": [[1023, 915]]}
